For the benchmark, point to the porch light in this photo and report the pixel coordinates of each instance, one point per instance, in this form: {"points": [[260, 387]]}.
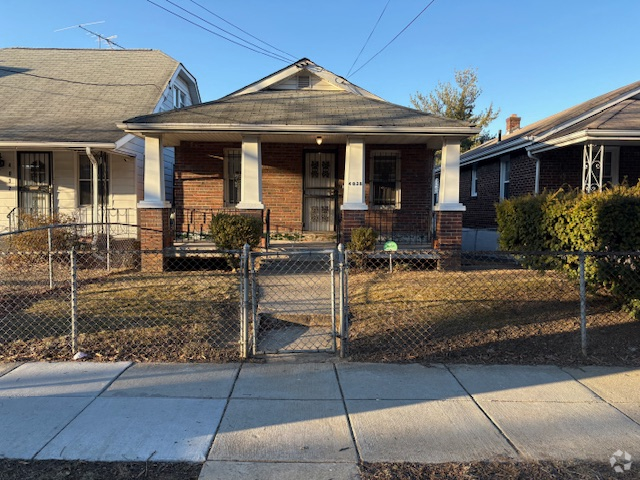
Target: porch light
{"points": [[319, 140]]}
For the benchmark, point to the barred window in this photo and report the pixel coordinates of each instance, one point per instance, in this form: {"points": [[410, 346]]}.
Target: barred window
{"points": [[385, 179]]}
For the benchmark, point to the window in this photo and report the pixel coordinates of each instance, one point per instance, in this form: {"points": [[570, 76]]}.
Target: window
{"points": [[385, 179], [610, 175], [179, 98], [85, 179], [232, 175], [436, 190], [474, 180], [505, 177]]}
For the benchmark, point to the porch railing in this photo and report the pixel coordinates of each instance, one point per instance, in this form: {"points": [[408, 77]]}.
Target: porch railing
{"points": [[406, 227], [193, 224], [17, 219]]}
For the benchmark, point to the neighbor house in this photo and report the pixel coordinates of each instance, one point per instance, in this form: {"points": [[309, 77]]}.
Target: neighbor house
{"points": [[320, 154], [60, 149], [589, 146]]}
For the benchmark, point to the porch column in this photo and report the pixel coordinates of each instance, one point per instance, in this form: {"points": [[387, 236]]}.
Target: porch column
{"points": [[354, 202], [153, 210], [154, 196], [354, 171], [251, 174], [449, 209]]}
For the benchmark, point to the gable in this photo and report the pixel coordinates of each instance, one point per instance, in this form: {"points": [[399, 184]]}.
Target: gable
{"points": [[304, 80]]}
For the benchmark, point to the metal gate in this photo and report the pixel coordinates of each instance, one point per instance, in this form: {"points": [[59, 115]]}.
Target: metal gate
{"points": [[295, 302]]}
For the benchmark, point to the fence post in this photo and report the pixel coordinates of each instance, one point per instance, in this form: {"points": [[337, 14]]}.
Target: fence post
{"points": [[74, 302], [583, 305], [333, 298], [244, 309], [108, 247], [50, 245], [344, 325]]}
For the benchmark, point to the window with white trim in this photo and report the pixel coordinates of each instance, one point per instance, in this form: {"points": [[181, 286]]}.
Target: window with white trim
{"points": [[385, 179], [232, 176], [85, 179], [505, 177], [474, 180], [179, 98]]}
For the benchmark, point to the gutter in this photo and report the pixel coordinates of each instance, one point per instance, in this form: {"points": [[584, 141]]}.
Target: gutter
{"points": [[48, 145], [294, 129]]}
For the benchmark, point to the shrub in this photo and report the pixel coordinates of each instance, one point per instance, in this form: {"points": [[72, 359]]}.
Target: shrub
{"points": [[231, 232], [363, 239], [62, 238]]}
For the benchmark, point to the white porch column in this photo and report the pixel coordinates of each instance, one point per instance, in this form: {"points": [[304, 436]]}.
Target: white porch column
{"points": [[354, 172], [154, 196], [449, 195], [251, 174]]}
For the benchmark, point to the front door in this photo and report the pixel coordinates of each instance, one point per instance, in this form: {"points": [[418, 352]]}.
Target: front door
{"points": [[319, 192], [34, 182]]}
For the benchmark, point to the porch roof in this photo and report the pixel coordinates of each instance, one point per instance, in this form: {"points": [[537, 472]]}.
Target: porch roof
{"points": [[301, 113], [66, 96]]}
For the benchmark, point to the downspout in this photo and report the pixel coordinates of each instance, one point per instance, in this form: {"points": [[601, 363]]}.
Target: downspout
{"points": [[537, 180], [94, 186]]}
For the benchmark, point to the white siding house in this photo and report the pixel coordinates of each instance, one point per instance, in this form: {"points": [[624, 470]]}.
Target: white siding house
{"points": [[58, 130]]}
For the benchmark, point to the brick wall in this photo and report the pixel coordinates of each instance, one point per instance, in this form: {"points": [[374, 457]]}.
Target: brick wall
{"points": [[561, 168], [630, 165], [199, 179], [155, 234]]}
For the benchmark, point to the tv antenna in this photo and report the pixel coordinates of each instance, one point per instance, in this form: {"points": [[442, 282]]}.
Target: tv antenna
{"points": [[101, 38]]}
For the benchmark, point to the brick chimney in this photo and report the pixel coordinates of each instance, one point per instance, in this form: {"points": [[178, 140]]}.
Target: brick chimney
{"points": [[513, 123]]}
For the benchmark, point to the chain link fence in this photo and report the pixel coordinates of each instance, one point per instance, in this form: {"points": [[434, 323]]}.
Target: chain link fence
{"points": [[57, 300], [495, 307], [96, 301]]}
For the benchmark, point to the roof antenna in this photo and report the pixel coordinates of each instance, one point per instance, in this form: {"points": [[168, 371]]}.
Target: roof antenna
{"points": [[101, 38]]}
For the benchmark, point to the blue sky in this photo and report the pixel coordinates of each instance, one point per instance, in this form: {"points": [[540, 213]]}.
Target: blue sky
{"points": [[534, 58]]}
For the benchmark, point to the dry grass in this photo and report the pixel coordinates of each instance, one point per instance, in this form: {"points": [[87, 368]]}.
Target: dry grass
{"points": [[491, 470], [178, 316], [484, 316]]}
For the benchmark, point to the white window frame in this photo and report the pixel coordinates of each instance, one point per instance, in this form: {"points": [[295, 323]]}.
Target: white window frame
{"points": [[179, 97], [474, 180], [227, 196], [505, 176], [106, 182], [398, 190]]}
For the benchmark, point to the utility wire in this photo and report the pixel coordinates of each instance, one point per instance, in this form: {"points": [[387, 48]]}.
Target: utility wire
{"points": [[368, 38], [243, 31], [393, 39], [217, 34], [225, 31]]}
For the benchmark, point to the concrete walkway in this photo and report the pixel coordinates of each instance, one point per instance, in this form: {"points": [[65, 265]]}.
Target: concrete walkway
{"points": [[317, 420]]}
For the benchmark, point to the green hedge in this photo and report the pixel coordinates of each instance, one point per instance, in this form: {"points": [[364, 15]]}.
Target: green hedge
{"points": [[571, 221], [604, 222], [231, 232]]}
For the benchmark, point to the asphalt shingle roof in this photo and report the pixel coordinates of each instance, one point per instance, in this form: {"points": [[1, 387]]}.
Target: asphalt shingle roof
{"points": [[77, 95], [622, 116], [299, 107]]}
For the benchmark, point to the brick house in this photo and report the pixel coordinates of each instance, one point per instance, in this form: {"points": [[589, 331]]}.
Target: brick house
{"points": [[588, 146], [321, 154]]}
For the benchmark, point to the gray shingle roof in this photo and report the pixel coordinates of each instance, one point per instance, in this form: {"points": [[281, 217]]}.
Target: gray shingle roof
{"points": [[300, 107], [621, 116], [60, 95]]}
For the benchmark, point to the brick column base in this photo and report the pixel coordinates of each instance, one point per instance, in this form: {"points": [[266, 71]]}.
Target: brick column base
{"points": [[351, 219], [449, 239], [155, 236]]}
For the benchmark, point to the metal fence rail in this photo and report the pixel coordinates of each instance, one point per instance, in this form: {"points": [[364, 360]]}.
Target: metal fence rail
{"points": [[491, 307]]}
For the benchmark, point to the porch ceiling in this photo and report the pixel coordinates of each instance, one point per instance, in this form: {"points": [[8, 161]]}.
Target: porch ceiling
{"points": [[173, 139]]}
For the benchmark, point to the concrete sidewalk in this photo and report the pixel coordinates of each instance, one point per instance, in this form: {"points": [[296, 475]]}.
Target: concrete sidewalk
{"points": [[315, 420]]}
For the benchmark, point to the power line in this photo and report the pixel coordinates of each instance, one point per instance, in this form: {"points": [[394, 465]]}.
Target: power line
{"points": [[225, 31], [368, 38], [270, 55], [243, 31], [394, 38]]}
